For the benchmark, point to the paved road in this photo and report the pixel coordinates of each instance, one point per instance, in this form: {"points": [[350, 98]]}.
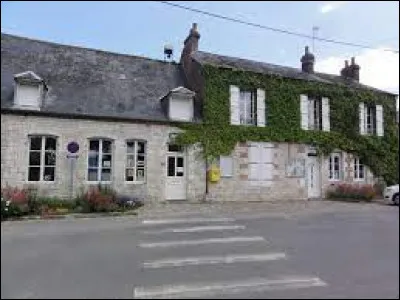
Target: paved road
{"points": [[337, 254]]}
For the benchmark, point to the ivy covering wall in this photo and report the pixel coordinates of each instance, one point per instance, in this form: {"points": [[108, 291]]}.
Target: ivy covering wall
{"points": [[218, 137]]}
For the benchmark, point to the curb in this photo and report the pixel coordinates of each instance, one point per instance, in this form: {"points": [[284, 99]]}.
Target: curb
{"points": [[74, 216]]}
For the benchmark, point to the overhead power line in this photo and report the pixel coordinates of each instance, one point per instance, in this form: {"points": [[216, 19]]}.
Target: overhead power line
{"points": [[271, 28]]}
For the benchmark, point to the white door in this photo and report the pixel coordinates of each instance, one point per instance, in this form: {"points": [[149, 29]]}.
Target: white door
{"points": [[313, 177], [176, 175]]}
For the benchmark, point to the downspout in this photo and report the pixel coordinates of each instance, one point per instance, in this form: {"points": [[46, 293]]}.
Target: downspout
{"points": [[206, 177]]}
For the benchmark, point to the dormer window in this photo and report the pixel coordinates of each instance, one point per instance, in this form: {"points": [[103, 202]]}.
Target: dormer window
{"points": [[178, 104], [28, 90]]}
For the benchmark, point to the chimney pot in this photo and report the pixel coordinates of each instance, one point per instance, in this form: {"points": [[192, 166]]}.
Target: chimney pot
{"points": [[353, 61], [307, 61]]}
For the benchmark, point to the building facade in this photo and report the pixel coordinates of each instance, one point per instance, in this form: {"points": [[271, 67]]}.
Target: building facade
{"points": [[123, 113]]}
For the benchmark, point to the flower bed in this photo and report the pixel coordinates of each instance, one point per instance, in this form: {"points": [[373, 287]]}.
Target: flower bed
{"points": [[18, 202], [352, 192]]}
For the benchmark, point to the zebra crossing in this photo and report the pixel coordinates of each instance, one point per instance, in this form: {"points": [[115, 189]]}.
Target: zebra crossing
{"points": [[229, 247]]}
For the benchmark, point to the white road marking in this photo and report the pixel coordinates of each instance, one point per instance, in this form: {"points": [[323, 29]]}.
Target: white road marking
{"points": [[196, 229], [228, 287], [203, 241], [186, 220], [212, 260]]}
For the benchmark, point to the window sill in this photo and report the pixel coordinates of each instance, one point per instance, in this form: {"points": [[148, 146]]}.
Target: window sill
{"points": [[40, 182], [335, 180], [98, 182], [134, 182], [359, 180]]}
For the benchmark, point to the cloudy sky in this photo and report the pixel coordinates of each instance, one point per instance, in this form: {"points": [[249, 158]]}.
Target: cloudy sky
{"points": [[142, 28]]}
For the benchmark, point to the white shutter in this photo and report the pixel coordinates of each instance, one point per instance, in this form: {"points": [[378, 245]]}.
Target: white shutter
{"points": [[254, 172], [226, 166], [326, 124], [304, 111], [266, 172], [267, 155], [254, 153], [362, 118], [260, 108], [379, 120], [234, 101]]}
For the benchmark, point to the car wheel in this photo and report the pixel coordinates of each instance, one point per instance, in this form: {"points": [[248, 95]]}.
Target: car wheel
{"points": [[396, 199]]}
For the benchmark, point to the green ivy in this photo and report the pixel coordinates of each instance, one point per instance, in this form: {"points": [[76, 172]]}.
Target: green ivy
{"points": [[218, 137]]}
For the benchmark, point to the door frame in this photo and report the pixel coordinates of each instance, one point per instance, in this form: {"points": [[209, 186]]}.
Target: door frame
{"points": [[176, 154], [318, 173]]}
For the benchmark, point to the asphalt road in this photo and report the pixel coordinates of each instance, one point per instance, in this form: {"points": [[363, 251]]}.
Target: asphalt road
{"points": [[326, 255]]}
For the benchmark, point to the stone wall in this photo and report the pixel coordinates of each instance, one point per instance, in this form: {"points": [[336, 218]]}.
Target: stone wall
{"points": [[15, 143]]}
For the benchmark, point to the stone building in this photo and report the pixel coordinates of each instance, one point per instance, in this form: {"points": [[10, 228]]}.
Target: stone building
{"points": [[123, 112]]}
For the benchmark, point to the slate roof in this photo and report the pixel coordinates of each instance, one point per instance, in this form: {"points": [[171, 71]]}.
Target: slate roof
{"points": [[271, 69], [89, 82]]}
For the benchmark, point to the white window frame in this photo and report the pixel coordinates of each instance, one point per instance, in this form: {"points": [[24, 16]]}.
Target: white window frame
{"points": [[99, 162], [331, 167], [252, 108], [356, 169], [135, 159], [42, 151], [370, 127]]}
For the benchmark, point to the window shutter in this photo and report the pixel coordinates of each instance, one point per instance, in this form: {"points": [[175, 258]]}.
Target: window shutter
{"points": [[304, 111], [254, 172], [260, 108], [266, 172], [362, 118], [267, 155], [234, 101], [379, 120], [326, 124], [226, 166], [254, 153]]}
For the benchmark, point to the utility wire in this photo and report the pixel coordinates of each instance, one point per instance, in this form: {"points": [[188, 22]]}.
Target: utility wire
{"points": [[270, 28]]}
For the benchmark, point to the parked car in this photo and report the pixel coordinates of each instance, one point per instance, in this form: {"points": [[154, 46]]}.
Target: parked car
{"points": [[392, 193]]}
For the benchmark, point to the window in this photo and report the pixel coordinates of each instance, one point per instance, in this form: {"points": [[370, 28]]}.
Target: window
{"points": [[248, 108], [42, 158], [314, 113], [335, 166], [370, 119], [99, 160], [359, 169], [135, 161]]}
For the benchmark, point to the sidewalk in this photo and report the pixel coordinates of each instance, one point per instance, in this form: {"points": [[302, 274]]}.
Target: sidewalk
{"points": [[282, 208]]}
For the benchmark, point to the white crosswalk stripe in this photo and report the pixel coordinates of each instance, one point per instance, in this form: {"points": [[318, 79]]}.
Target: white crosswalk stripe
{"points": [[212, 288], [212, 260], [196, 229], [235, 239], [186, 220]]}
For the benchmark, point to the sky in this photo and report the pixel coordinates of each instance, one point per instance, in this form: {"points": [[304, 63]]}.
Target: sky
{"points": [[143, 28]]}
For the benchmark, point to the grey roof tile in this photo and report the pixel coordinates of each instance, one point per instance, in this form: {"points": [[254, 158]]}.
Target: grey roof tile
{"points": [[271, 69], [89, 82]]}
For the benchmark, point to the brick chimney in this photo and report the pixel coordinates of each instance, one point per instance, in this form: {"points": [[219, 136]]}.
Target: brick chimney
{"points": [[354, 70], [351, 71], [307, 61], [345, 72], [191, 42]]}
